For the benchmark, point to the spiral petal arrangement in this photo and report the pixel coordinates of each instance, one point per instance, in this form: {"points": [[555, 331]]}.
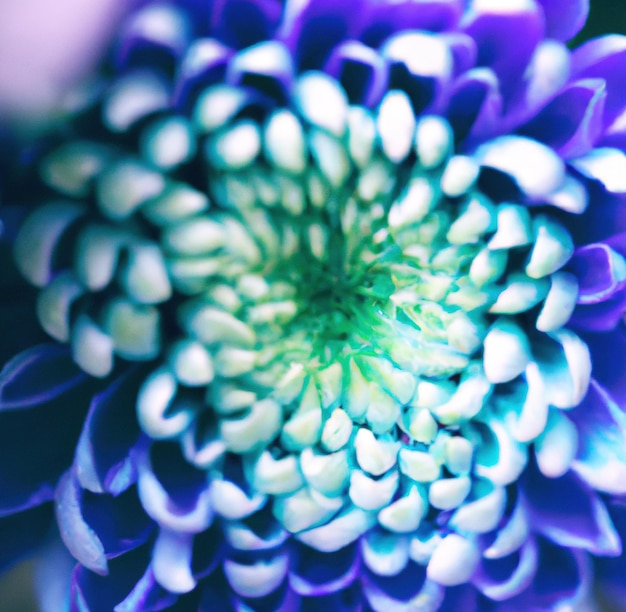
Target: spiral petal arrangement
{"points": [[337, 291]]}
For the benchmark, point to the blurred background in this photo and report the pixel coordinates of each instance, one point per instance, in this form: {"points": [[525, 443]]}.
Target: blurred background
{"points": [[47, 47]]}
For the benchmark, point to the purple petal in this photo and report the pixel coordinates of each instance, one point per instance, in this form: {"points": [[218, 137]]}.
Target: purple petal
{"points": [[361, 72], [22, 533], [346, 600], [505, 577], [608, 353], [506, 39], [475, 106], [562, 578], [572, 122], [600, 317], [159, 32], [173, 493], [147, 594], [396, 592], [127, 578], [243, 23], [314, 573], [609, 573], [546, 74], [313, 30], [386, 18], [601, 272], [564, 18], [464, 597], [207, 551], [96, 528], [38, 375], [601, 457], [581, 523], [604, 58], [204, 64], [103, 462]]}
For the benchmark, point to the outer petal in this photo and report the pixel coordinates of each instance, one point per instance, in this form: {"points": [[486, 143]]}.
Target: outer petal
{"points": [[604, 58], [128, 583], [386, 18], [564, 18], [506, 35], [314, 573], [562, 579], [46, 432], [242, 23], [601, 458], [99, 527], [581, 523], [572, 122], [313, 27], [103, 462]]}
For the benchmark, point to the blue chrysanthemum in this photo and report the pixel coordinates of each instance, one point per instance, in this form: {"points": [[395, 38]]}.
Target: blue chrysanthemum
{"points": [[337, 290]]}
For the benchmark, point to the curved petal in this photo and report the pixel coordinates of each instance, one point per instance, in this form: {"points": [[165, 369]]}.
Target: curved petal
{"points": [[475, 106], [156, 30], [96, 528], [243, 23], [128, 582], [39, 374], [399, 592], [571, 123], [46, 433], [502, 578], [564, 18], [386, 18], [361, 72], [103, 462], [581, 523], [172, 492], [604, 58], [562, 579], [601, 457], [314, 573], [506, 35], [312, 28]]}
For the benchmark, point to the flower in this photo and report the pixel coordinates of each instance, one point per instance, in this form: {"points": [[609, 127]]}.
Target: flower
{"points": [[337, 295]]}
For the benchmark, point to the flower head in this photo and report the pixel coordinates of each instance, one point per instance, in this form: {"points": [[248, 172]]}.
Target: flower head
{"points": [[333, 287]]}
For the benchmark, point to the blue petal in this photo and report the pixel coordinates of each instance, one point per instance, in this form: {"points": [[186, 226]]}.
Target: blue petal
{"points": [[314, 573], [103, 462], [502, 578], [571, 123], [604, 58], [128, 582], [96, 528], [43, 436], [38, 375], [562, 579], [506, 38], [313, 29], [581, 523], [388, 17], [601, 457], [361, 72], [243, 23], [175, 494], [564, 18], [158, 32]]}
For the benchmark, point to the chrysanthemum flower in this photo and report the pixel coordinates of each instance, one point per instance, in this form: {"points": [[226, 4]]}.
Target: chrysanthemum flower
{"points": [[335, 297]]}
